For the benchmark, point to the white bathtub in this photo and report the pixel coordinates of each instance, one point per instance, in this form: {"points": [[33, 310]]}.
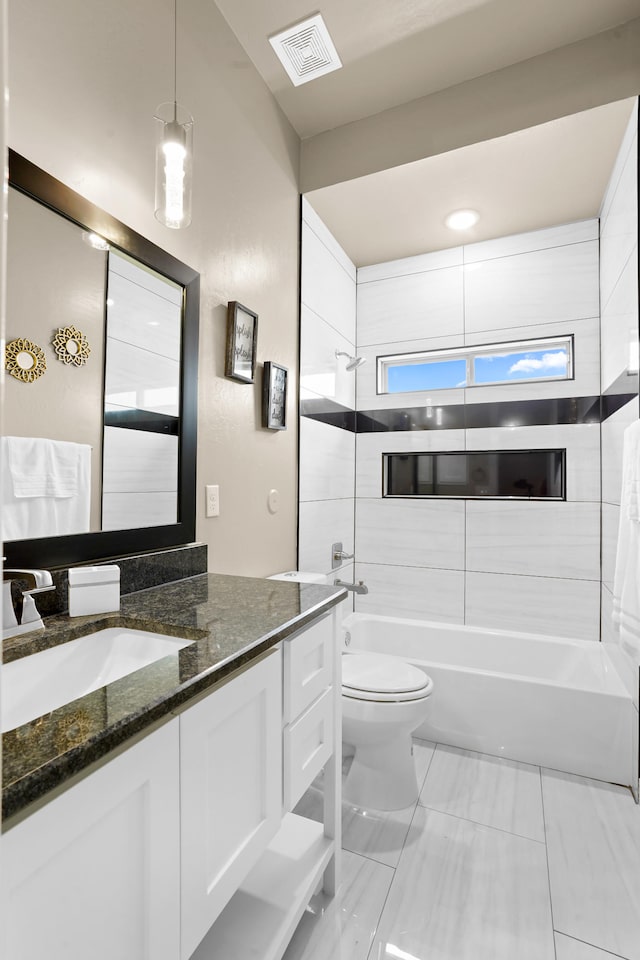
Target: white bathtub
{"points": [[544, 700]]}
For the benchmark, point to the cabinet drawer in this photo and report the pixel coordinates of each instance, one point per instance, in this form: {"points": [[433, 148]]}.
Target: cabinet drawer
{"points": [[308, 744], [308, 667]]}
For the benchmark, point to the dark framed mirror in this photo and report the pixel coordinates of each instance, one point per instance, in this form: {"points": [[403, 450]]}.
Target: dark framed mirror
{"points": [[114, 386]]}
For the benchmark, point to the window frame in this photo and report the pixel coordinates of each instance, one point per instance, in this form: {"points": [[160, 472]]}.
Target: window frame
{"points": [[470, 353]]}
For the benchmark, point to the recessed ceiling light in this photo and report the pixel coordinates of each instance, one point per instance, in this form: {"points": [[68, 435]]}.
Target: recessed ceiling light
{"points": [[462, 219], [306, 50]]}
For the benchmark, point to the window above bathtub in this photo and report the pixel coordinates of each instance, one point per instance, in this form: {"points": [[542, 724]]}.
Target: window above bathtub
{"points": [[521, 361], [478, 474]]}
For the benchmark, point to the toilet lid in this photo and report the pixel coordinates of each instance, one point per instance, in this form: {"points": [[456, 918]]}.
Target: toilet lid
{"points": [[370, 673]]}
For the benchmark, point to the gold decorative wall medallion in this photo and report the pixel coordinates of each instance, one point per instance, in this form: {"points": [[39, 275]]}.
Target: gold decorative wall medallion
{"points": [[71, 346], [24, 360]]}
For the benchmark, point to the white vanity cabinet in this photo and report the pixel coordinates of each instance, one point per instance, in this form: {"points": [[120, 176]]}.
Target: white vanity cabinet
{"points": [[96, 872], [231, 790], [183, 845], [260, 918]]}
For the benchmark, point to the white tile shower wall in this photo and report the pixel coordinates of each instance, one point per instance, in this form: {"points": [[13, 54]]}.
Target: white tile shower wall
{"points": [[610, 521], [619, 330], [529, 289], [140, 479], [328, 464], [313, 222], [413, 533], [545, 239], [326, 287], [452, 257], [547, 605], [322, 374], [321, 523], [137, 378], [412, 307], [612, 439], [527, 566], [620, 322], [327, 452], [534, 539], [618, 216], [421, 593]]}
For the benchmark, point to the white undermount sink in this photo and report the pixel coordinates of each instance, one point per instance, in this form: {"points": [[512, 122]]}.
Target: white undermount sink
{"points": [[44, 681]]}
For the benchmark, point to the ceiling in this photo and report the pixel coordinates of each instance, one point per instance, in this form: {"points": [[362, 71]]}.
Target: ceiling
{"points": [[553, 173], [394, 51]]}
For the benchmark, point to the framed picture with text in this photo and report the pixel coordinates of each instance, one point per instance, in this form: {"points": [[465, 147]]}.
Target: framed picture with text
{"points": [[242, 341], [274, 396]]}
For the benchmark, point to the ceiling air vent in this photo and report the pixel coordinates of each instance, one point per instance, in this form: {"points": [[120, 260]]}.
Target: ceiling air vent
{"points": [[306, 50]]}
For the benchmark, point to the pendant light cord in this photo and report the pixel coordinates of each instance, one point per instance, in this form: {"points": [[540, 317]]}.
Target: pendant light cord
{"points": [[175, 51]]}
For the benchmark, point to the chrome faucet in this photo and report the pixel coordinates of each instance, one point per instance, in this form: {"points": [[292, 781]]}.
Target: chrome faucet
{"points": [[38, 581], [359, 587], [338, 554]]}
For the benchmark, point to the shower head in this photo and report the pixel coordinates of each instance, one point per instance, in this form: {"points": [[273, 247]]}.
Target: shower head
{"points": [[354, 362]]}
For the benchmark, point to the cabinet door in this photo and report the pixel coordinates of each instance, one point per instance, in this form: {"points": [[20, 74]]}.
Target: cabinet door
{"points": [[308, 666], [231, 790], [95, 873]]}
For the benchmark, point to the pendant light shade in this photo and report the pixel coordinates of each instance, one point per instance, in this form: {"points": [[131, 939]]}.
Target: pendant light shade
{"points": [[174, 153], [174, 159]]}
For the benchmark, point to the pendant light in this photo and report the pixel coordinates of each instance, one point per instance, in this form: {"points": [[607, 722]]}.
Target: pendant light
{"points": [[174, 154]]}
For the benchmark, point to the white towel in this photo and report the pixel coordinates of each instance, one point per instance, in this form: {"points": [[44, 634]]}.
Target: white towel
{"points": [[626, 583], [40, 467], [65, 505]]}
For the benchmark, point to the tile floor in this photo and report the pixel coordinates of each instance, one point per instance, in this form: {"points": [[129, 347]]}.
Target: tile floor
{"points": [[497, 861]]}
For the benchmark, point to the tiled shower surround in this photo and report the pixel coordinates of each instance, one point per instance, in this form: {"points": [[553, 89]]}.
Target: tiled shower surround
{"points": [[532, 566]]}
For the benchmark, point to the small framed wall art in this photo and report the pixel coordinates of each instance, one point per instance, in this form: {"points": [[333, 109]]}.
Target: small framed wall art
{"points": [[274, 396], [242, 340]]}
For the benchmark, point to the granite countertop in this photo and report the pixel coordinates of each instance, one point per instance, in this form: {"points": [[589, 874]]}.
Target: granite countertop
{"points": [[231, 621]]}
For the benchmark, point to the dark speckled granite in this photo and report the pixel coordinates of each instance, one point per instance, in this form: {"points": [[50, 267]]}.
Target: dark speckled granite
{"points": [[231, 620], [136, 573]]}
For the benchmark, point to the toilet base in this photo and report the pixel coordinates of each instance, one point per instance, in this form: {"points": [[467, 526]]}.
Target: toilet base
{"points": [[382, 775]]}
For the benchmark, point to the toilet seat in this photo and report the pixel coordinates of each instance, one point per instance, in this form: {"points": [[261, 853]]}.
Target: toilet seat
{"points": [[379, 678]]}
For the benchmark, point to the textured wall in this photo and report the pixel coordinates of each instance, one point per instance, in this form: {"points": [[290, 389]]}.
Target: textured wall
{"points": [[85, 80]]}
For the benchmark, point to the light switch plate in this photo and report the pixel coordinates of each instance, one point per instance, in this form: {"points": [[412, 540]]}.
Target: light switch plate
{"points": [[212, 491]]}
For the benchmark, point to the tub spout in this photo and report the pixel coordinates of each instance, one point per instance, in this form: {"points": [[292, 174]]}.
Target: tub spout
{"points": [[359, 587]]}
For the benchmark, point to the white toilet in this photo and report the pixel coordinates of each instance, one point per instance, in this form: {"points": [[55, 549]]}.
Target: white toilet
{"points": [[384, 700]]}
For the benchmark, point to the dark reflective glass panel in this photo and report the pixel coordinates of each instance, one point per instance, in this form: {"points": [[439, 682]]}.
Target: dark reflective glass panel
{"points": [[513, 474]]}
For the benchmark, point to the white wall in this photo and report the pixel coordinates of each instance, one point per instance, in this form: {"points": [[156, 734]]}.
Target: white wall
{"points": [[327, 396], [85, 80], [514, 565], [619, 300]]}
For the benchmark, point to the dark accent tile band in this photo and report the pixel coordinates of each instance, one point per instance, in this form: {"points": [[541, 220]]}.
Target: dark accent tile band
{"points": [[611, 403], [470, 416], [329, 412], [145, 420]]}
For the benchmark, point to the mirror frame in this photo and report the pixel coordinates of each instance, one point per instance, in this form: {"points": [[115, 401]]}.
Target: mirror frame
{"points": [[30, 180]]}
